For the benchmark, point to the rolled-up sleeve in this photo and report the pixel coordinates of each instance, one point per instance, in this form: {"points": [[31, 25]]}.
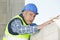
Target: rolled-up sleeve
{"points": [[17, 27]]}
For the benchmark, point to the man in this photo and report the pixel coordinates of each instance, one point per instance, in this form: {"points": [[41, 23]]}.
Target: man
{"points": [[21, 26]]}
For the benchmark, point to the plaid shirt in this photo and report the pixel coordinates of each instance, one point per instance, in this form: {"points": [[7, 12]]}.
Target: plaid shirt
{"points": [[17, 27]]}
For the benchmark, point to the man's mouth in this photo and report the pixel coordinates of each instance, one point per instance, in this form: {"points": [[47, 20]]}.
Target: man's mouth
{"points": [[30, 20]]}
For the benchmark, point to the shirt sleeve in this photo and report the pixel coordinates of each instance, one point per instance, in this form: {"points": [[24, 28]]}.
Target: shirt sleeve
{"points": [[17, 27]]}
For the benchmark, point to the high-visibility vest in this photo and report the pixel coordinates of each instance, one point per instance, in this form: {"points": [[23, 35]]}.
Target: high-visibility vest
{"points": [[9, 36]]}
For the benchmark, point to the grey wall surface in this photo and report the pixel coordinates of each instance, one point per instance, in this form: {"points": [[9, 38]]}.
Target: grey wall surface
{"points": [[8, 9], [50, 32]]}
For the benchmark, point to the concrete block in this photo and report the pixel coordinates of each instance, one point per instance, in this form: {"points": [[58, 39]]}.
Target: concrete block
{"points": [[53, 36], [50, 32], [2, 28]]}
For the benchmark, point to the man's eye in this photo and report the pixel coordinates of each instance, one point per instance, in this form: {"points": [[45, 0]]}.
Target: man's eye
{"points": [[30, 14], [34, 16]]}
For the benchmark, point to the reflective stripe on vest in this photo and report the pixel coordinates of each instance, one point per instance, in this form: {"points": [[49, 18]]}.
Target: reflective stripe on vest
{"points": [[26, 36], [14, 38]]}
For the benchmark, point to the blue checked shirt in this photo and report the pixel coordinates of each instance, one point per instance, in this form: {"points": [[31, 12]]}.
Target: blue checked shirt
{"points": [[17, 27]]}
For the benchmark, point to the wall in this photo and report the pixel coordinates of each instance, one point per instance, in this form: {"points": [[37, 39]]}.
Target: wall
{"points": [[50, 32], [8, 9]]}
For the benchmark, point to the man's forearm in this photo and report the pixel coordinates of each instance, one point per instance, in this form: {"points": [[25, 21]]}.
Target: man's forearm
{"points": [[47, 23]]}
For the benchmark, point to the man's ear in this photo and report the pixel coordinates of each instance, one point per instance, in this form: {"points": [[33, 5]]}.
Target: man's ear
{"points": [[25, 12]]}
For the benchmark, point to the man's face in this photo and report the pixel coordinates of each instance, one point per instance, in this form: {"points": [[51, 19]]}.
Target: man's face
{"points": [[29, 16]]}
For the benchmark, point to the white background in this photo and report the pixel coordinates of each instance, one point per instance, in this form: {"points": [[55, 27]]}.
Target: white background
{"points": [[47, 9]]}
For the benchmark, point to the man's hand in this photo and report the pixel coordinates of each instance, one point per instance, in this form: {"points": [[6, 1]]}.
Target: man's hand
{"points": [[47, 23]]}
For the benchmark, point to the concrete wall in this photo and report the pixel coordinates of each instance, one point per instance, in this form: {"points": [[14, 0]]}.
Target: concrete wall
{"points": [[3, 16], [50, 32], [8, 9]]}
